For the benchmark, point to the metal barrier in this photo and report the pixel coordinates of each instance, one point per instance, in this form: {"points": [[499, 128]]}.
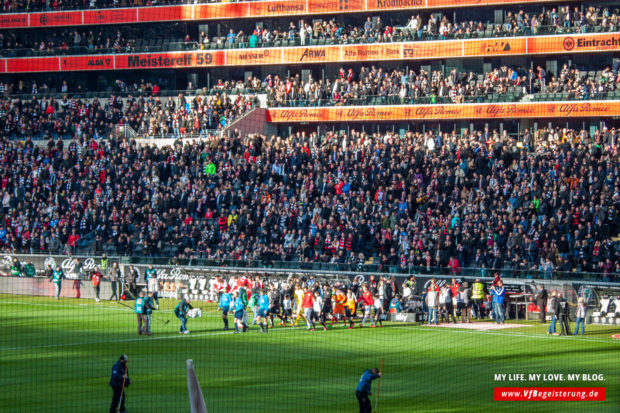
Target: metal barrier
{"points": [[73, 266]]}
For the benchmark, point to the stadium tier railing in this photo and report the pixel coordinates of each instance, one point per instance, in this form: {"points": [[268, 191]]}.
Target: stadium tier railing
{"points": [[512, 95], [495, 97], [85, 50], [400, 35], [135, 93], [408, 35], [379, 268]]}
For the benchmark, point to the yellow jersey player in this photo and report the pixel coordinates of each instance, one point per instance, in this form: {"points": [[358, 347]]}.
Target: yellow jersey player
{"points": [[349, 308], [299, 296]]}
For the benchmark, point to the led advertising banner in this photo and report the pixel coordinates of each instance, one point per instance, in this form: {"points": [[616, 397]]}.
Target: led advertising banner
{"points": [[592, 109]]}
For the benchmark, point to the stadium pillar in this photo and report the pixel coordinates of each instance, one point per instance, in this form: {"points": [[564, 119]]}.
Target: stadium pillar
{"points": [[193, 78], [499, 16], [305, 74], [552, 67]]}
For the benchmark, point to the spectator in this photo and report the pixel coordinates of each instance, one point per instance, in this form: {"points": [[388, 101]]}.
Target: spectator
{"points": [[499, 293], [251, 194]]}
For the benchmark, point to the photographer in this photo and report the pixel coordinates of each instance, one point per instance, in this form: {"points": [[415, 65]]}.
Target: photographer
{"points": [[119, 382]]}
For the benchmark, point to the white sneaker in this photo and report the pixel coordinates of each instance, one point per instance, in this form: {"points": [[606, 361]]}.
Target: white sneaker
{"points": [[186, 332]]}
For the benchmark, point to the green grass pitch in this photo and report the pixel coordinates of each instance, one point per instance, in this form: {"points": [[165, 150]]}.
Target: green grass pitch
{"points": [[56, 356]]}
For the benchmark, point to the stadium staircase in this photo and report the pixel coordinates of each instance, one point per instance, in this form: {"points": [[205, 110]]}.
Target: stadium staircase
{"points": [[125, 131], [254, 121]]}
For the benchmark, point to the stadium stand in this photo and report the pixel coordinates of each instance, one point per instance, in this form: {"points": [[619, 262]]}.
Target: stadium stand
{"points": [[410, 201]]}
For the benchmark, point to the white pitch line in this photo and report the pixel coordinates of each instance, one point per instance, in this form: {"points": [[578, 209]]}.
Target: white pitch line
{"points": [[210, 314], [98, 307], [61, 305], [125, 340], [515, 334]]}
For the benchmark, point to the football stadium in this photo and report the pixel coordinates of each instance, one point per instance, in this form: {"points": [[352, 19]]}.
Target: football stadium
{"points": [[309, 206]]}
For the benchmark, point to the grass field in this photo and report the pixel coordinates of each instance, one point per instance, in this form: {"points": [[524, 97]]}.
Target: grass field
{"points": [[56, 356]]}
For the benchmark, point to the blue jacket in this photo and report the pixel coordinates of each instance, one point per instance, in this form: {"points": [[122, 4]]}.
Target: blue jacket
{"points": [[118, 371], [365, 381], [263, 302], [225, 300], [239, 304], [498, 295]]}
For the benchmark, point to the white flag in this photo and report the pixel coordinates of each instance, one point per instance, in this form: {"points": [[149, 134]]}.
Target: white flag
{"points": [[196, 399]]}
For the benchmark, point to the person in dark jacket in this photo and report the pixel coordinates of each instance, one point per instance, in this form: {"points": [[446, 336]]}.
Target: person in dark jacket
{"points": [[181, 312], [541, 301], [392, 288], [115, 276], [119, 382], [564, 315], [362, 390]]}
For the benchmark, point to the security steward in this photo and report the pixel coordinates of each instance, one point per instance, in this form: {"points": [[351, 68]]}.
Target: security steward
{"points": [[477, 296]]}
